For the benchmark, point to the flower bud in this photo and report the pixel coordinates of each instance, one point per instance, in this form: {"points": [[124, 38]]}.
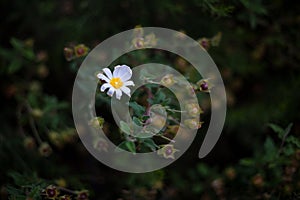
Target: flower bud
{"points": [[29, 143], [216, 39], [204, 42], [69, 53], [158, 121], [138, 42], [35, 86], [204, 85], [138, 31], [42, 71]]}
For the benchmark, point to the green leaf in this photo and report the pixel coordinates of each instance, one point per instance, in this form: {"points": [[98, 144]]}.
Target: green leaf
{"points": [[138, 109], [203, 170], [14, 66], [127, 146], [270, 150], [277, 129], [293, 140], [247, 162], [137, 121], [131, 146], [150, 144], [288, 150], [125, 127]]}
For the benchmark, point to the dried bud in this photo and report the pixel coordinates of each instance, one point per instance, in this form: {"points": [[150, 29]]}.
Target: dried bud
{"points": [[42, 71], [258, 180], [216, 39], [42, 56], [65, 197], [51, 192], [35, 86], [82, 195], [167, 151], [193, 109], [97, 122], [218, 186], [81, 50], [29, 42], [45, 149], [29, 143], [168, 80], [101, 144], [193, 123], [230, 173], [180, 35], [37, 113], [55, 138]]}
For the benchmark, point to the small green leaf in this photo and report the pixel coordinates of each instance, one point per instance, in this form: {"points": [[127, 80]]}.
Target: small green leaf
{"points": [[127, 146], [125, 127], [270, 150], [288, 150], [137, 121], [130, 146], [150, 144], [203, 170], [247, 162], [14, 66], [277, 129], [138, 109]]}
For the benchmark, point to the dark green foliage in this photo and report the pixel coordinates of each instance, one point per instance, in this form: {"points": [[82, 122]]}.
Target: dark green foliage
{"points": [[258, 57]]}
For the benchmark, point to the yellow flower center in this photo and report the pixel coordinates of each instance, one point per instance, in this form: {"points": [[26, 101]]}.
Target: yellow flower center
{"points": [[116, 83]]}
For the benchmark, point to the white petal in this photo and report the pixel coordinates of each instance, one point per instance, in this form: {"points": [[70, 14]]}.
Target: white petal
{"points": [[118, 94], [126, 90], [105, 86], [111, 91], [124, 72], [103, 77], [117, 71], [128, 83], [107, 72]]}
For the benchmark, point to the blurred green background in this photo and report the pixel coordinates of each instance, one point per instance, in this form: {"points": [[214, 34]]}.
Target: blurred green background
{"points": [[258, 57]]}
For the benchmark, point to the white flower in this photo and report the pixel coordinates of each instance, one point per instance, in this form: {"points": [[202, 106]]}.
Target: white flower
{"points": [[116, 81]]}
